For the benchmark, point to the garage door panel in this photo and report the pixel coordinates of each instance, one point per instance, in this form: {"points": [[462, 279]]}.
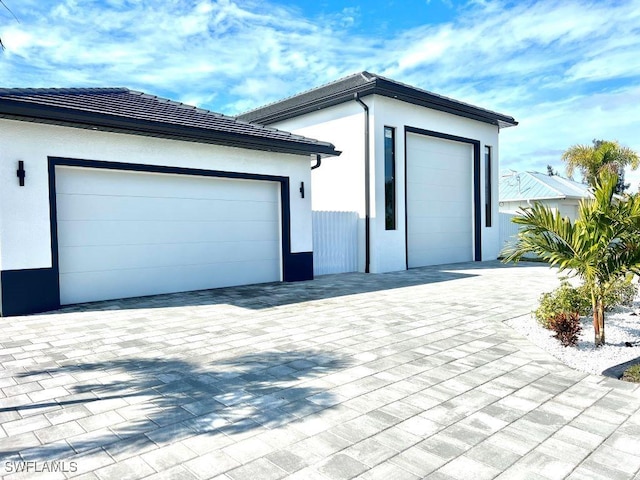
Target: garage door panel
{"points": [[109, 284], [441, 255], [96, 207], [453, 165], [439, 201], [439, 239], [73, 180], [440, 224], [156, 232], [438, 194], [425, 209], [127, 257], [431, 145], [175, 233]]}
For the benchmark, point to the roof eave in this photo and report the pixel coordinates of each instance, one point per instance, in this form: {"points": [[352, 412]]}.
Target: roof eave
{"points": [[443, 104], [388, 89], [308, 106], [16, 110]]}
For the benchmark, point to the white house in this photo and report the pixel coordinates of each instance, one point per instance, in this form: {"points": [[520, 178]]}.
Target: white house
{"points": [[420, 169], [522, 189], [111, 193]]}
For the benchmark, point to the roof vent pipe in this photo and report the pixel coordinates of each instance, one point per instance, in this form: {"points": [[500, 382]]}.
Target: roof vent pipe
{"points": [[367, 203]]}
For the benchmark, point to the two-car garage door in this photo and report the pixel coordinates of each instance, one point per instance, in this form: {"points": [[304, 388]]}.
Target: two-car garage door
{"points": [[439, 201], [125, 233]]}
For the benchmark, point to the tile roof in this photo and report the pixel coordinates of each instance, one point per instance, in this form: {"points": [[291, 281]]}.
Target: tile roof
{"points": [[540, 186], [365, 83], [128, 111]]}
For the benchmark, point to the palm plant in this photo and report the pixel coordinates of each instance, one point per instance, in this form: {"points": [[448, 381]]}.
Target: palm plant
{"points": [[602, 155], [602, 245]]}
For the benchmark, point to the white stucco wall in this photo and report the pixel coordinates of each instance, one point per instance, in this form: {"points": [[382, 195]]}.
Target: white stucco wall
{"points": [[394, 113], [334, 185], [339, 183], [24, 211]]}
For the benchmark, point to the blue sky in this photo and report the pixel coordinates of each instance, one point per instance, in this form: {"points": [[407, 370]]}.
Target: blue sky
{"points": [[567, 70]]}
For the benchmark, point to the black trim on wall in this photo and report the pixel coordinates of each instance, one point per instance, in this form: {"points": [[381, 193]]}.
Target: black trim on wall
{"points": [[298, 267], [31, 291], [477, 213]]}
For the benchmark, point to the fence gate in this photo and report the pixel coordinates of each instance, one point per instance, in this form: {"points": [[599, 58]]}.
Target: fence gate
{"points": [[508, 229], [335, 242]]}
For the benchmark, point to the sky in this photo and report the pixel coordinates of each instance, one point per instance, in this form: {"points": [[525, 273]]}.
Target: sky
{"points": [[567, 70]]}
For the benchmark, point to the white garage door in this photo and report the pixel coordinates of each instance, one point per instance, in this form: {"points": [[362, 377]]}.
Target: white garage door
{"points": [[439, 201], [125, 234]]}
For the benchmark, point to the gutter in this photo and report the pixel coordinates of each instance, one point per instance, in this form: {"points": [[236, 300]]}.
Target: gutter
{"points": [[367, 194]]}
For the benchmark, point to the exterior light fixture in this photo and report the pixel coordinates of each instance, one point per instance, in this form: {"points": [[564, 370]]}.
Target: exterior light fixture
{"points": [[21, 173]]}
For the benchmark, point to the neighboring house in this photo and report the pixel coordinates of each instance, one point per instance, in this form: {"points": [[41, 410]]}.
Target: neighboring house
{"points": [[111, 193], [420, 169], [521, 190]]}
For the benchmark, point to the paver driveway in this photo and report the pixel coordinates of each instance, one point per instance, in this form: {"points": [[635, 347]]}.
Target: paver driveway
{"points": [[395, 376]]}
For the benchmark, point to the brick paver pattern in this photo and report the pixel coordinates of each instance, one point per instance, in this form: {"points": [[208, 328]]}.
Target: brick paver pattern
{"points": [[384, 376]]}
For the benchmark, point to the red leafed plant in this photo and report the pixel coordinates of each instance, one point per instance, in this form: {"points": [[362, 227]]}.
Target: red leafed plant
{"points": [[567, 327]]}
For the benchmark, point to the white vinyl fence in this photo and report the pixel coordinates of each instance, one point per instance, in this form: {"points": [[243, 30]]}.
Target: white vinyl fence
{"points": [[508, 229], [335, 242]]}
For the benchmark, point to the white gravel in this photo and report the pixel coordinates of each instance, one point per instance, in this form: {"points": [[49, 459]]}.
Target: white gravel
{"points": [[621, 326]]}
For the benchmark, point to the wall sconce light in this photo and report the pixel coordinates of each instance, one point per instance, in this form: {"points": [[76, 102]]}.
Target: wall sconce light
{"points": [[21, 173], [302, 189]]}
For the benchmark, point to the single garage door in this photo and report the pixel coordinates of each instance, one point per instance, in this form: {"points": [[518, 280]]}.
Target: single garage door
{"points": [[126, 234], [439, 201]]}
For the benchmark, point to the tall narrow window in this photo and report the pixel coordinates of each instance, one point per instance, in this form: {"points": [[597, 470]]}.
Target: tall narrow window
{"points": [[487, 185], [390, 178]]}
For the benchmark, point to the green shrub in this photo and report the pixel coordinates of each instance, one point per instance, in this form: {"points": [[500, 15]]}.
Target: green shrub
{"points": [[564, 299], [632, 374], [622, 293], [568, 299], [567, 327]]}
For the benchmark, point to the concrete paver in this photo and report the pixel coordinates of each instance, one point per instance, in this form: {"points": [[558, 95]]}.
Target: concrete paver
{"points": [[404, 375]]}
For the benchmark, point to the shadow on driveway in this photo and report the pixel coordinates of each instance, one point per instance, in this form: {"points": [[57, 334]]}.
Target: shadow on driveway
{"points": [[269, 295], [126, 404]]}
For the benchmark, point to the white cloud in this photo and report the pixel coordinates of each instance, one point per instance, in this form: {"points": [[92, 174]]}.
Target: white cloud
{"points": [[545, 62], [547, 129]]}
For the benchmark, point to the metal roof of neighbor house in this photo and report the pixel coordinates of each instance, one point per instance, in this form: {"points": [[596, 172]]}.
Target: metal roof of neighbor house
{"points": [[524, 186], [127, 111], [365, 83]]}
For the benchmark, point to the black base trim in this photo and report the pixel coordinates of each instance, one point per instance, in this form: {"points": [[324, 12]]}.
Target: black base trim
{"points": [[298, 267], [29, 291]]}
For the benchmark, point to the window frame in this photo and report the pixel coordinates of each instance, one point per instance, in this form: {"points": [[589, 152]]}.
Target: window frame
{"points": [[488, 186], [390, 183]]}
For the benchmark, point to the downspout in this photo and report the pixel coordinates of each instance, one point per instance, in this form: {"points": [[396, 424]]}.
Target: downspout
{"points": [[319, 162], [367, 206]]}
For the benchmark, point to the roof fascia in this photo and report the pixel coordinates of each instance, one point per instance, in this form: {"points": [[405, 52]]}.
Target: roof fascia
{"points": [[435, 102], [16, 110], [388, 89], [305, 107]]}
